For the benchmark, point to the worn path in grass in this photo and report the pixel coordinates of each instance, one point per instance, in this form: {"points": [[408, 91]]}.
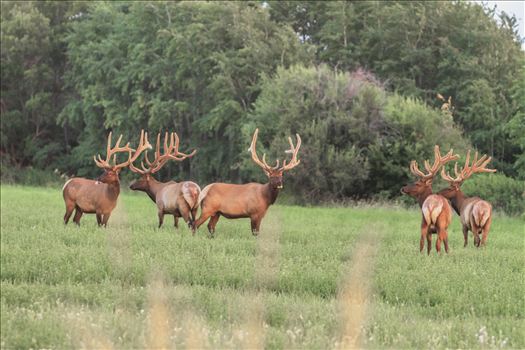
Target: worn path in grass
{"points": [[356, 288]]}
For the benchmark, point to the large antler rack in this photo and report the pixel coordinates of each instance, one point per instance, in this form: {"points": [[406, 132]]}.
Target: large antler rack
{"points": [[478, 166], [433, 169], [112, 152], [267, 168], [171, 151]]}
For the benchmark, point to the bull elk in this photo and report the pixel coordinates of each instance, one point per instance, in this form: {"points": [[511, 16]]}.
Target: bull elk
{"points": [[474, 212], [436, 211], [100, 196], [248, 200], [176, 198]]}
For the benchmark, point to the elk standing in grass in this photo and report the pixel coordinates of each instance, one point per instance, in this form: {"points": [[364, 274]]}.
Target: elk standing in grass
{"points": [[249, 200], [436, 211], [474, 212], [179, 199], [100, 196]]}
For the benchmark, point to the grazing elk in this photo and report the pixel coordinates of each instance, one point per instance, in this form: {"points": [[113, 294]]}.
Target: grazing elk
{"points": [[179, 199], [249, 200], [436, 212], [100, 196], [474, 212]]}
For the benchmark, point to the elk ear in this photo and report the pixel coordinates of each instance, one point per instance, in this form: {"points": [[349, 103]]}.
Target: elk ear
{"points": [[428, 182]]}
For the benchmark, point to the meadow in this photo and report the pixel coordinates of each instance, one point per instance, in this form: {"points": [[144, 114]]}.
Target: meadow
{"points": [[316, 278]]}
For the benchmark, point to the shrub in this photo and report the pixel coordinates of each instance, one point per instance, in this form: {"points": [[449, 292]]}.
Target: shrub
{"points": [[503, 192]]}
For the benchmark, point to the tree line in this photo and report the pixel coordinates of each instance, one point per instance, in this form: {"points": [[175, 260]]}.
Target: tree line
{"points": [[357, 80]]}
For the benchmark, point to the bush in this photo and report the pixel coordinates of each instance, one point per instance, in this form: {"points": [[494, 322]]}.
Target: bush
{"points": [[358, 139], [502, 192], [28, 176]]}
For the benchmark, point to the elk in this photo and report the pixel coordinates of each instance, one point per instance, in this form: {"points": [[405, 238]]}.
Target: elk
{"points": [[248, 200], [474, 212], [100, 196], [436, 212], [179, 199]]}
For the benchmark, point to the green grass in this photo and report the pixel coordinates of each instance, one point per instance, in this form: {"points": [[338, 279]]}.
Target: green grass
{"points": [[132, 285]]}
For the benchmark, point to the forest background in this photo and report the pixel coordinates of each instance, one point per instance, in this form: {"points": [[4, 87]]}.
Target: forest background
{"points": [[365, 84]]}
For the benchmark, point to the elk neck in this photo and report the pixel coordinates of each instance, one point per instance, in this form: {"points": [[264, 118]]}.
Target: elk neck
{"points": [[154, 188], [113, 189], [422, 196], [270, 193], [458, 201]]}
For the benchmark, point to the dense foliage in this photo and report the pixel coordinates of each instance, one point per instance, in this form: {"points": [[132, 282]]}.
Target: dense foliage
{"points": [[358, 80]]}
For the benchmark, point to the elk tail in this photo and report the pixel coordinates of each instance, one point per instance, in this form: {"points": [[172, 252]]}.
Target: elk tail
{"points": [[190, 192], [431, 213], [481, 214], [203, 194]]}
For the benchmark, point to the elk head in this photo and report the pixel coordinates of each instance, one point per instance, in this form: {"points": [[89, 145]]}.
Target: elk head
{"points": [[275, 173], [423, 185], [112, 169], [454, 184], [171, 151]]}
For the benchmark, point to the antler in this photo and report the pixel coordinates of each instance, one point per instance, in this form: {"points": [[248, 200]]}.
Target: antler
{"points": [[439, 161], [293, 162], [478, 166], [294, 150], [143, 144], [171, 151]]}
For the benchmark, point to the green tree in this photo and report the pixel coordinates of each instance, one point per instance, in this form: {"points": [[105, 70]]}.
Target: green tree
{"points": [[193, 67], [357, 139]]}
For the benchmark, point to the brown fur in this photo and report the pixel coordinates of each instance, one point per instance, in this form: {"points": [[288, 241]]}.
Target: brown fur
{"points": [[436, 214], [237, 201], [249, 200], [91, 197], [177, 198], [474, 212]]}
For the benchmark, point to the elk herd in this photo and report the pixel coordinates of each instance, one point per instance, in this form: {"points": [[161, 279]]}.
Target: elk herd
{"points": [[180, 199], [183, 199]]}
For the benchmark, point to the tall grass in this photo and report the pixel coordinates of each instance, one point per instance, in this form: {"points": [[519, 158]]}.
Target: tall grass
{"points": [[133, 285]]}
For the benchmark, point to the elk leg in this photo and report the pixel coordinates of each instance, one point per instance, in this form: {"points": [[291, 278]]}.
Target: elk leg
{"points": [[445, 240], [475, 231], [212, 223], [485, 232], [429, 242], [194, 214], [99, 219], [438, 243], [424, 232], [69, 211], [176, 221], [465, 235], [256, 224], [78, 215], [204, 216], [161, 218], [105, 219]]}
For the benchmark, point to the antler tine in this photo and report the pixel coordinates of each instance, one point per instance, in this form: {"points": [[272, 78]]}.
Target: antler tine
{"points": [[142, 146], [433, 169], [446, 176], [294, 150], [171, 151], [415, 169], [480, 165], [253, 151]]}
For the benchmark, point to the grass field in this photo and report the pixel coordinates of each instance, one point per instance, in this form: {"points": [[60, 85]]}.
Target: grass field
{"points": [[318, 278]]}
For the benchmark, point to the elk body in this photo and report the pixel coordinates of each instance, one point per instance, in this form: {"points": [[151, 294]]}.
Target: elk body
{"points": [[178, 199], [248, 200], [99, 196], [474, 212], [435, 209]]}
